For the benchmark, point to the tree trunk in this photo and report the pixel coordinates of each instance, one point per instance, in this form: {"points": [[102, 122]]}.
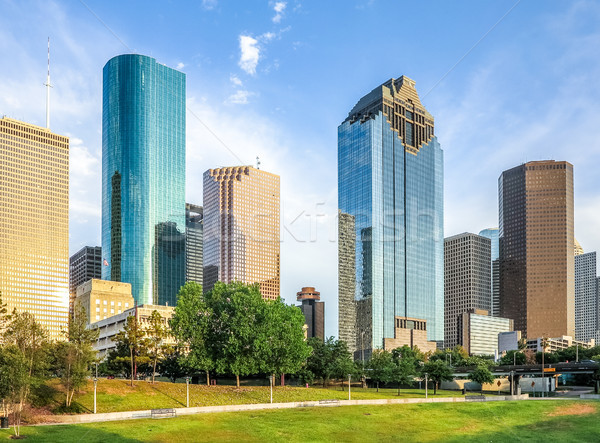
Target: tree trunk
{"points": [[435, 387], [132, 364], [398, 388], [377, 386], [237, 379], [207, 378], [282, 379], [154, 367]]}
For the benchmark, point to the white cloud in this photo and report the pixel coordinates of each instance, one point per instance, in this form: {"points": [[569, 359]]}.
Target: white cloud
{"points": [[235, 80], [180, 66], [240, 97], [279, 9], [250, 54], [209, 4]]}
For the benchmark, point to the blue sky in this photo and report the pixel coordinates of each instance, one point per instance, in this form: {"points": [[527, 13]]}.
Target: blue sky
{"points": [[506, 81]]}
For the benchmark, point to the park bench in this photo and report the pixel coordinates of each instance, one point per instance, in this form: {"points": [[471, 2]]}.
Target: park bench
{"points": [[162, 413], [478, 397]]}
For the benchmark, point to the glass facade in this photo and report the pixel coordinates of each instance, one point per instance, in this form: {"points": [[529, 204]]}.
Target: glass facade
{"points": [[143, 177], [493, 235], [392, 190]]}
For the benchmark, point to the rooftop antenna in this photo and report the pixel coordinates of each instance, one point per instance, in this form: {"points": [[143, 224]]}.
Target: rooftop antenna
{"points": [[48, 86], [257, 162]]}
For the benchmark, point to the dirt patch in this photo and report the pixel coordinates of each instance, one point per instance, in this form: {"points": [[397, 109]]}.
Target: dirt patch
{"points": [[576, 409], [468, 428]]}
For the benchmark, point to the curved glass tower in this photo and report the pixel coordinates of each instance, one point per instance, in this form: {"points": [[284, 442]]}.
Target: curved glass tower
{"points": [[391, 239], [143, 177]]}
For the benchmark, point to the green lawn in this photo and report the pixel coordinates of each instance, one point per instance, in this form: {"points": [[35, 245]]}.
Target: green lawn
{"points": [[546, 421], [117, 395]]}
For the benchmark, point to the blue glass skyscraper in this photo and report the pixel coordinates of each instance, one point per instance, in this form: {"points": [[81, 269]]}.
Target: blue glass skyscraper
{"points": [[390, 191], [143, 177], [494, 236]]}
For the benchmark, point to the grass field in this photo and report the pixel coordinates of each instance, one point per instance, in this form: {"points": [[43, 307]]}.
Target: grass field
{"points": [[117, 395], [546, 421]]}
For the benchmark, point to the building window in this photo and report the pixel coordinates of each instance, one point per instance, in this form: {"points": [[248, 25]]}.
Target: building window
{"points": [[409, 134]]}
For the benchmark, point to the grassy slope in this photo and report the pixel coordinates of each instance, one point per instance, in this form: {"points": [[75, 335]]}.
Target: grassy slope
{"points": [[464, 422], [117, 395]]}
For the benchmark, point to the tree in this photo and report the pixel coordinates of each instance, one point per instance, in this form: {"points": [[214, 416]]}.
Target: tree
{"points": [[172, 365], [133, 337], [328, 358], [234, 322], [482, 375], [281, 340], [513, 357], [4, 316], [405, 362], [75, 356], [379, 366], [191, 326], [24, 362], [437, 371], [157, 333]]}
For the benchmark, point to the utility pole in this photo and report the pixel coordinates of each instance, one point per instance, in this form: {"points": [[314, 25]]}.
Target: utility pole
{"points": [[349, 382], [426, 385], [95, 384]]}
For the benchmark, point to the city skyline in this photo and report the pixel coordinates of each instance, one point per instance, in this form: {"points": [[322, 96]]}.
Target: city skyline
{"points": [[497, 108]]}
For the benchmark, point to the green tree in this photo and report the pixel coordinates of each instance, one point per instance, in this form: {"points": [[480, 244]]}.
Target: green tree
{"points": [[437, 371], [24, 363], [328, 358], [156, 335], [405, 362], [191, 326], [482, 375], [75, 356], [379, 366], [172, 365], [281, 343], [512, 357], [236, 311], [133, 336]]}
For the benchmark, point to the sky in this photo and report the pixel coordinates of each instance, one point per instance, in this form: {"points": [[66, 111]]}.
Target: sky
{"points": [[506, 81]]}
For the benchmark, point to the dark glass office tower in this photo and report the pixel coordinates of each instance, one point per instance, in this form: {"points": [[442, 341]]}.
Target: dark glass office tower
{"points": [[194, 231], [492, 234], [390, 184], [143, 177], [537, 263]]}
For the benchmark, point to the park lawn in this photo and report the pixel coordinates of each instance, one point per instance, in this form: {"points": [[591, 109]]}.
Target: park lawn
{"points": [[117, 395], [547, 421]]}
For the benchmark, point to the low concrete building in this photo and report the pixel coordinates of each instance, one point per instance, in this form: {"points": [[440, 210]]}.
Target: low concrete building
{"points": [[103, 299], [109, 327], [558, 343], [411, 332], [478, 332]]}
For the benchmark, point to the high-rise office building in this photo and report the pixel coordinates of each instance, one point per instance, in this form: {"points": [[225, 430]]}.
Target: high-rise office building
{"points": [[84, 265], [586, 297], [193, 243], [241, 228], [467, 274], [143, 177], [493, 235], [34, 223], [390, 186], [537, 264], [314, 312]]}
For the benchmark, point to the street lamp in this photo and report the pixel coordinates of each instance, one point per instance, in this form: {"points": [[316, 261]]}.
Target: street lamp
{"points": [[512, 382], [426, 385], [271, 384], [349, 380], [187, 391], [95, 384]]}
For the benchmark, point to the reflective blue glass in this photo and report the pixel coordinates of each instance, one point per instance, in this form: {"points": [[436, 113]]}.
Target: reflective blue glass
{"points": [[143, 177], [396, 200], [492, 234]]}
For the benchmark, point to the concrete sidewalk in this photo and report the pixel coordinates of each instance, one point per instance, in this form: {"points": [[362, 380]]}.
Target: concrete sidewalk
{"points": [[132, 415]]}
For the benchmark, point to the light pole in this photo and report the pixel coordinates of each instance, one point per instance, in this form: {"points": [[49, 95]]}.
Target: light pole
{"points": [[95, 384], [577, 353], [512, 382], [187, 391], [349, 380], [271, 385], [544, 343], [426, 385]]}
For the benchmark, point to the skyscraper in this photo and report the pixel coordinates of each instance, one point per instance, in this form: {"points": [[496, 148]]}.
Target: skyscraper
{"points": [[193, 242], [390, 186], [241, 228], [492, 234], [536, 248], [34, 223], [143, 177], [586, 297], [84, 265], [314, 312], [467, 285]]}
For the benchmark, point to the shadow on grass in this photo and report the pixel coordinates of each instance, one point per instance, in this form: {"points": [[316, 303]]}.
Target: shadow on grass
{"points": [[166, 395], [70, 433]]}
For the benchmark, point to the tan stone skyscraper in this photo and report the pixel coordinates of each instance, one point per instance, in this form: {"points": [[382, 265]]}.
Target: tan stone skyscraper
{"points": [[241, 228], [34, 223], [537, 264]]}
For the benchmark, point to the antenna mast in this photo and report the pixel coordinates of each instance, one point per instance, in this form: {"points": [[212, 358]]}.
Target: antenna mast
{"points": [[257, 162], [48, 86]]}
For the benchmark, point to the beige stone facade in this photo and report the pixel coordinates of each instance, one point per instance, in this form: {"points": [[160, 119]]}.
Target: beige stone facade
{"points": [[411, 332], [102, 299]]}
